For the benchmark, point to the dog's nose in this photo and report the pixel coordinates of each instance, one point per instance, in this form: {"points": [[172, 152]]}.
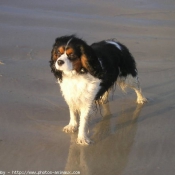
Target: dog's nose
{"points": [[60, 62]]}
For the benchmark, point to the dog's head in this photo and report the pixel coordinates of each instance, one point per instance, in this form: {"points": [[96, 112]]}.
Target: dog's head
{"points": [[72, 55]]}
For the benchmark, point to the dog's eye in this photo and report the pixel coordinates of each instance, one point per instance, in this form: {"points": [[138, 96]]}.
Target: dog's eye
{"points": [[72, 56]]}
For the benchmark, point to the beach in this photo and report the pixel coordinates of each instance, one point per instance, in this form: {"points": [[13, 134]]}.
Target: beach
{"points": [[129, 139]]}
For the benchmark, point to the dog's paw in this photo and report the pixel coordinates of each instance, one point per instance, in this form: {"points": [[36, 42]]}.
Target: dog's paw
{"points": [[84, 141], [70, 128], [142, 100]]}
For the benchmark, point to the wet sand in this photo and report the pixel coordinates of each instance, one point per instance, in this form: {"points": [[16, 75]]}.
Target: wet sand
{"points": [[130, 139]]}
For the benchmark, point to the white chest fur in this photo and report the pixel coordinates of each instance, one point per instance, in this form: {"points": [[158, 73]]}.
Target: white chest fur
{"points": [[79, 90]]}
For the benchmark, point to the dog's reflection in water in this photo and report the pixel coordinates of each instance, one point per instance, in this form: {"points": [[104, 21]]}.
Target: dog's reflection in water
{"points": [[113, 136]]}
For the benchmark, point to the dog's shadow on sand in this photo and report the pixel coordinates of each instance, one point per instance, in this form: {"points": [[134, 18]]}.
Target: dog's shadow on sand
{"points": [[113, 136]]}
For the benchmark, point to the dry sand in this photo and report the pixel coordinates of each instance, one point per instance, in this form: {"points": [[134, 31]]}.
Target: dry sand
{"points": [[129, 139]]}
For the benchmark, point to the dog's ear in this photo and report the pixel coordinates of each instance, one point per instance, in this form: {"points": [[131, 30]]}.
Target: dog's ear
{"points": [[57, 73], [89, 61], [86, 56]]}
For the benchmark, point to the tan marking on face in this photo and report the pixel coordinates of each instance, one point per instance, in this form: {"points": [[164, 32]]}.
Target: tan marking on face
{"points": [[69, 51], [61, 49]]}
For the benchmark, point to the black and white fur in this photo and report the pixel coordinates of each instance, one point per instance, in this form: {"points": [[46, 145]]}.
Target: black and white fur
{"points": [[87, 73]]}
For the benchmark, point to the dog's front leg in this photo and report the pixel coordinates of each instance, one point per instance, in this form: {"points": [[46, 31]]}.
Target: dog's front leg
{"points": [[73, 124], [83, 128]]}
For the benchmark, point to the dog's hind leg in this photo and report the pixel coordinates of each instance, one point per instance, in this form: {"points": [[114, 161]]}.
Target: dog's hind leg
{"points": [[104, 98], [133, 83]]}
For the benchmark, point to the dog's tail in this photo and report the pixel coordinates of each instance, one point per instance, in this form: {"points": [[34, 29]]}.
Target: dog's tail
{"points": [[127, 64]]}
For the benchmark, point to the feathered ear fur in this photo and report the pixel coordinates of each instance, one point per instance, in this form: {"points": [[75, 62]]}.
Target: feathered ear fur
{"points": [[57, 73], [90, 61]]}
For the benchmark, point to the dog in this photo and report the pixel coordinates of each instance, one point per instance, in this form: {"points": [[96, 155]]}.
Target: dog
{"points": [[86, 73]]}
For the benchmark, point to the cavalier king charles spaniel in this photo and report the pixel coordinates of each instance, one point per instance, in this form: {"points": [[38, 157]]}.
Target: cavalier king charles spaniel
{"points": [[86, 73]]}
